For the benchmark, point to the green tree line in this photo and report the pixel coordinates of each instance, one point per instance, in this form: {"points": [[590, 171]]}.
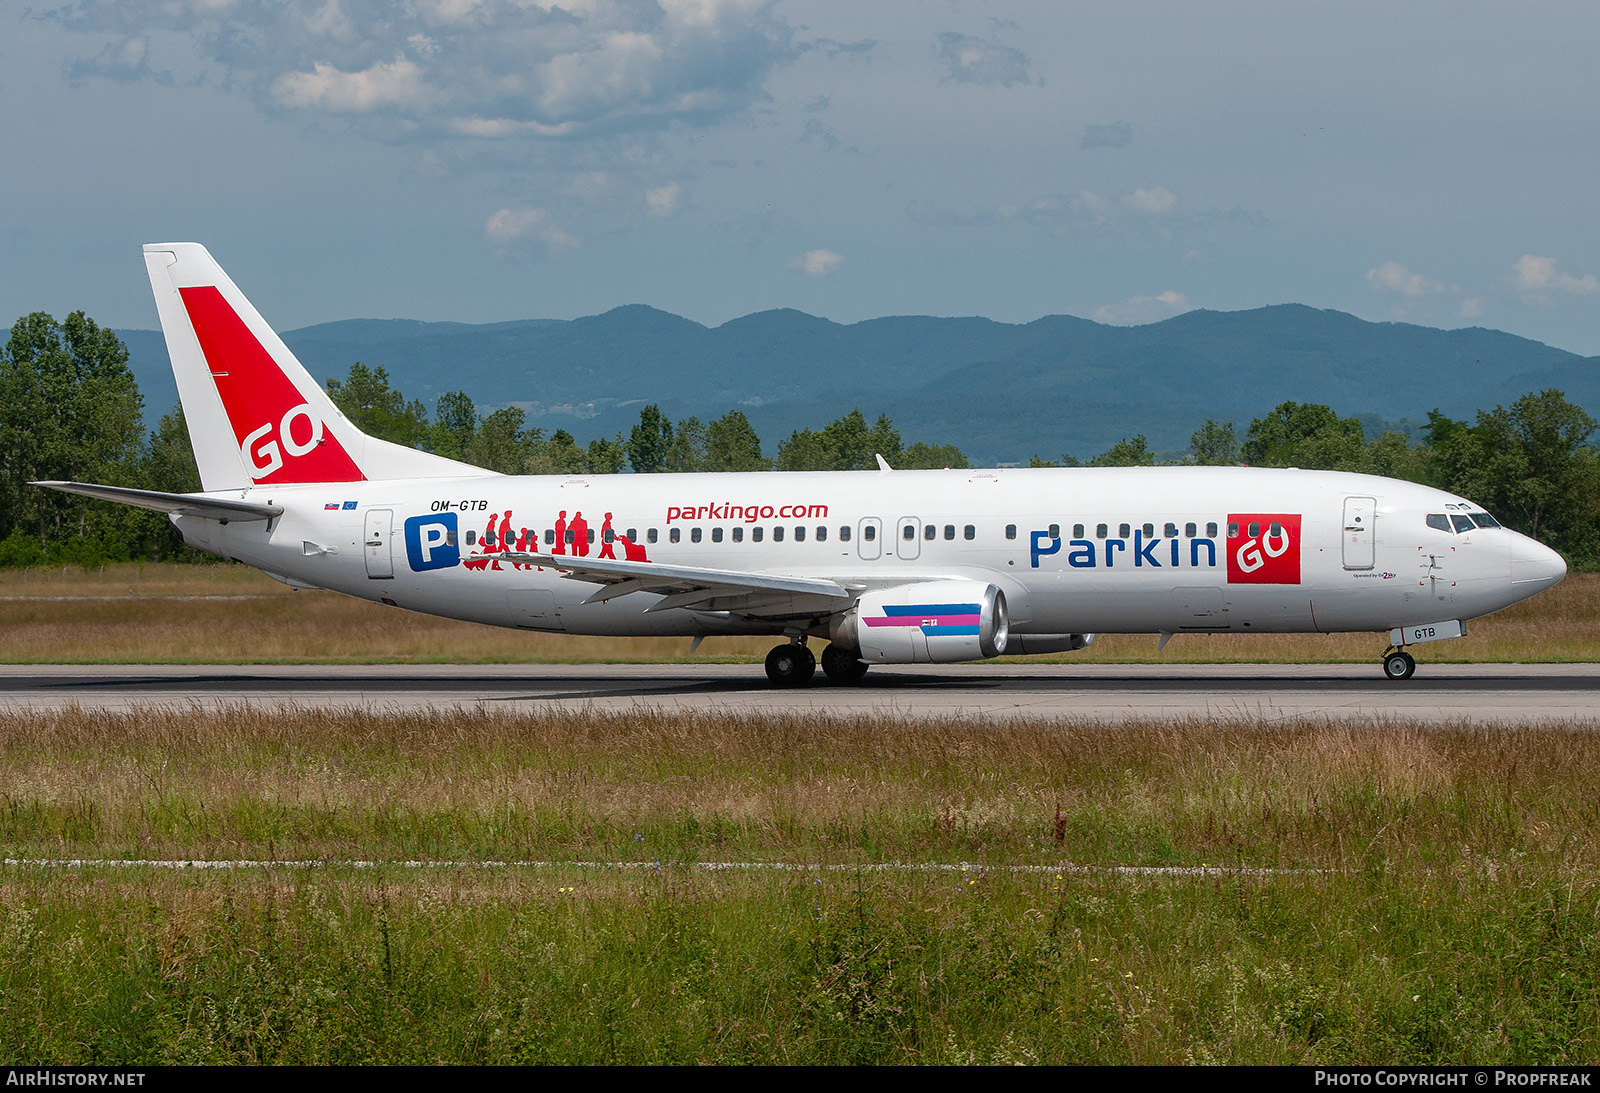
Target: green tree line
{"points": [[70, 409]]}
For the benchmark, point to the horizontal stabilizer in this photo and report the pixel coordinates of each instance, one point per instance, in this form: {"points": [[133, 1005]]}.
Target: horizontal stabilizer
{"points": [[181, 504]]}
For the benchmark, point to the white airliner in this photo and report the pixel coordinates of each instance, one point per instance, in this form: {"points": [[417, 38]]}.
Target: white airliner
{"points": [[890, 567]]}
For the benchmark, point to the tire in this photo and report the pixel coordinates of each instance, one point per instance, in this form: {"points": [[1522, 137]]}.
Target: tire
{"points": [[1399, 665], [842, 665], [791, 665]]}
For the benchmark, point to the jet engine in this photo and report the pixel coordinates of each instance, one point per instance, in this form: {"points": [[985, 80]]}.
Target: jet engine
{"points": [[928, 622]]}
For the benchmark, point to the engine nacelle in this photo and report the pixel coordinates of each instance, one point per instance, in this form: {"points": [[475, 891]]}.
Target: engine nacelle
{"points": [[932, 622], [1034, 644]]}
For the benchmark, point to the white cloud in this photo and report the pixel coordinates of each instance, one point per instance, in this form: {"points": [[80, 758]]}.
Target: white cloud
{"points": [[1537, 277], [493, 69], [397, 84], [1143, 309], [510, 231], [1155, 201], [1471, 308], [817, 263], [969, 59], [663, 200], [1393, 277]]}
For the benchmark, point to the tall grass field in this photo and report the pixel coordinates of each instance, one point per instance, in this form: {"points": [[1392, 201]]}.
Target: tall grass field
{"points": [[227, 613], [718, 888]]}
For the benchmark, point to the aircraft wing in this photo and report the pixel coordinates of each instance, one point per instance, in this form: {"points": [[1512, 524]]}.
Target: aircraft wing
{"points": [[695, 588], [183, 504]]}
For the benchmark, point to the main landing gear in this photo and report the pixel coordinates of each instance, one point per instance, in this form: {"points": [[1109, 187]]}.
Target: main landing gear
{"points": [[1398, 664], [792, 665]]}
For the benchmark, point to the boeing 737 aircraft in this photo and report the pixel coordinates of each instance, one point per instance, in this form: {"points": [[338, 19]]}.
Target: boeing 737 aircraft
{"points": [[889, 567]]}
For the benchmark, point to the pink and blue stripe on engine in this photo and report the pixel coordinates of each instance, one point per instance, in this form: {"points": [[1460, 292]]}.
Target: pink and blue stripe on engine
{"points": [[933, 619]]}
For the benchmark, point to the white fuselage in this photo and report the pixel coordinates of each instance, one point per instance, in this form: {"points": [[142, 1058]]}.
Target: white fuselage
{"points": [[1136, 550]]}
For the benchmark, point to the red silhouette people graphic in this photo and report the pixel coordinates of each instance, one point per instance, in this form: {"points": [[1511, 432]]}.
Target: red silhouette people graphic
{"points": [[488, 545], [526, 540], [606, 535], [580, 535], [561, 534]]}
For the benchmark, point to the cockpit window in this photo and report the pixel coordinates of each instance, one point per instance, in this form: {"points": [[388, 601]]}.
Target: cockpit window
{"points": [[1484, 520], [1439, 521], [1463, 524]]}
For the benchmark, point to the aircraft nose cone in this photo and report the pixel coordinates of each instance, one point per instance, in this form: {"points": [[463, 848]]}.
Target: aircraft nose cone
{"points": [[1534, 563]]}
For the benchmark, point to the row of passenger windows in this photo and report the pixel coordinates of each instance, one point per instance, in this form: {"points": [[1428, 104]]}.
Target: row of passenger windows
{"points": [[1169, 530], [969, 532], [696, 534]]}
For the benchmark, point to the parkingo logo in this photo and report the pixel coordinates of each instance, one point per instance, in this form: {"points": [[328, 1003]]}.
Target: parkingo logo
{"points": [[1263, 548], [431, 541]]}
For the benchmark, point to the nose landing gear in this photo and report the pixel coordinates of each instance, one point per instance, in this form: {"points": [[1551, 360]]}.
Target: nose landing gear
{"points": [[1398, 664]]}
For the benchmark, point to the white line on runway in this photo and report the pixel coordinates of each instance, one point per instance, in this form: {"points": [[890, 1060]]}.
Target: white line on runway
{"points": [[711, 866]]}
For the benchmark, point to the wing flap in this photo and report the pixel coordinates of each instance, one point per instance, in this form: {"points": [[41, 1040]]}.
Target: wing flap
{"points": [[686, 585], [180, 504]]}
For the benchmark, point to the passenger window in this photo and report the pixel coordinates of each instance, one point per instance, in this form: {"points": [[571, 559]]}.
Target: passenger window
{"points": [[675, 534], [1276, 529], [1101, 531], [1233, 529], [756, 533], [929, 532], [650, 535], [844, 533], [1255, 528], [822, 533], [472, 538], [1077, 531], [1055, 531], [1149, 531], [1463, 524], [450, 537], [1211, 530], [800, 533], [694, 535], [908, 532], [738, 535], [1171, 530], [716, 535], [870, 532], [591, 535], [777, 534], [549, 537], [1011, 531], [969, 532], [1190, 530], [608, 535], [949, 531], [633, 535], [1123, 531]]}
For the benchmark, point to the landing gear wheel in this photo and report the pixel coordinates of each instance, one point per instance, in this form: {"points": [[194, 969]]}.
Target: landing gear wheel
{"points": [[843, 665], [791, 665], [1399, 665]]}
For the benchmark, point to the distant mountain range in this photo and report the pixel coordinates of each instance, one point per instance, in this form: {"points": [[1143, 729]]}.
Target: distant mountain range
{"points": [[999, 391]]}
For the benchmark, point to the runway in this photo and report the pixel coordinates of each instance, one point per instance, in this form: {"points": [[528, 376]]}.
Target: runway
{"points": [[1519, 694]]}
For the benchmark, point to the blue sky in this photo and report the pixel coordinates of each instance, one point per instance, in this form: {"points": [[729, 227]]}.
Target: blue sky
{"points": [[481, 160]]}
